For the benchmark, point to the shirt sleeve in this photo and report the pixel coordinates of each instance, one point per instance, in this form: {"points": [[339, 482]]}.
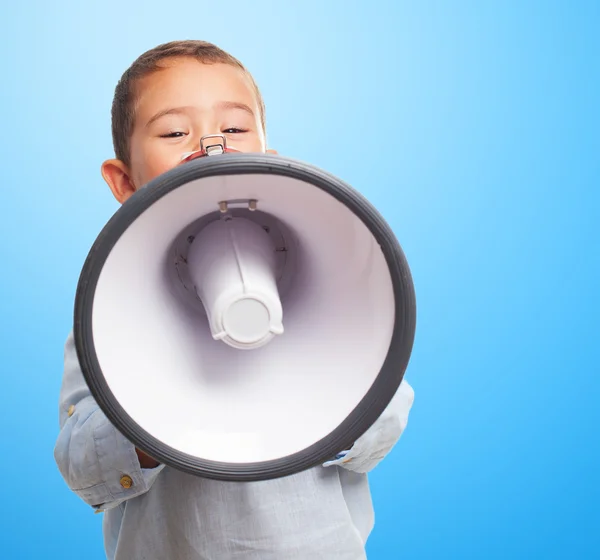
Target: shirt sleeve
{"points": [[96, 461], [373, 446]]}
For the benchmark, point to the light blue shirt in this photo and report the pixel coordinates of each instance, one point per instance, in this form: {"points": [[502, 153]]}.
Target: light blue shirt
{"points": [[323, 513]]}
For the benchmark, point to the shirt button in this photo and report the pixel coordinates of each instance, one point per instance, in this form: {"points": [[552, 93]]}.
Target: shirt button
{"points": [[126, 481], [71, 410]]}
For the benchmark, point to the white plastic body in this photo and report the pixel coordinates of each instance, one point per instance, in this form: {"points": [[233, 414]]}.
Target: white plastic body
{"points": [[212, 401], [232, 262]]}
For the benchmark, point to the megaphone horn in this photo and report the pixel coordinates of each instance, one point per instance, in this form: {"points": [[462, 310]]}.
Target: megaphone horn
{"points": [[244, 316]]}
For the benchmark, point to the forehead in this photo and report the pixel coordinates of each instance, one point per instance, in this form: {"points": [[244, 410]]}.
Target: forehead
{"points": [[188, 82]]}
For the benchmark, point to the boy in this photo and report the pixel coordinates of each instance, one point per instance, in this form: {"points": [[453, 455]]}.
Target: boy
{"points": [[165, 102]]}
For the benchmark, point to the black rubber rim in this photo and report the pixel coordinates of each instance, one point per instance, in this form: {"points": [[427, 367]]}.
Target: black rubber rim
{"points": [[365, 413]]}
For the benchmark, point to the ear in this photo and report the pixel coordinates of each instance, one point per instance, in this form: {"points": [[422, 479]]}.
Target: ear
{"points": [[272, 152], [117, 176]]}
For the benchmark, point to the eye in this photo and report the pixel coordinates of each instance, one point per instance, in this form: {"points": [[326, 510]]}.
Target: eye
{"points": [[173, 135], [234, 130]]}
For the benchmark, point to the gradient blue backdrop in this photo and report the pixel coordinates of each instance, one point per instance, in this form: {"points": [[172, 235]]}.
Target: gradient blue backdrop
{"points": [[472, 126]]}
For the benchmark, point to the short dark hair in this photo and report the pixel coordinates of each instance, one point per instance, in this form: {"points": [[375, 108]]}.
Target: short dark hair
{"points": [[123, 107]]}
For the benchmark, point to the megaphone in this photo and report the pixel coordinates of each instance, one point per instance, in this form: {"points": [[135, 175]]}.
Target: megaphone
{"points": [[244, 316]]}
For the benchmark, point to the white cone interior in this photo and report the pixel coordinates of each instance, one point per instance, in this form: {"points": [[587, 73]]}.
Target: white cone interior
{"points": [[232, 263], [215, 402]]}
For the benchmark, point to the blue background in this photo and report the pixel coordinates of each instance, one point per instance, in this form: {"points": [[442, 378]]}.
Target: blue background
{"points": [[472, 126]]}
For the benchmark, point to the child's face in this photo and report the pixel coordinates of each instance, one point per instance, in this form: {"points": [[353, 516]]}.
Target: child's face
{"points": [[175, 107]]}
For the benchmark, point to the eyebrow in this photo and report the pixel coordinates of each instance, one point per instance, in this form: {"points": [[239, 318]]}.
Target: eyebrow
{"points": [[164, 112], [223, 105], [228, 105]]}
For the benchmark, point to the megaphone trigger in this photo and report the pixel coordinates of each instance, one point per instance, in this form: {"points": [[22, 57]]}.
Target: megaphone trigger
{"points": [[215, 148]]}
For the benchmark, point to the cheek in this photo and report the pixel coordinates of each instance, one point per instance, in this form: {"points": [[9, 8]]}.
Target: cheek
{"points": [[254, 143], [153, 163]]}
